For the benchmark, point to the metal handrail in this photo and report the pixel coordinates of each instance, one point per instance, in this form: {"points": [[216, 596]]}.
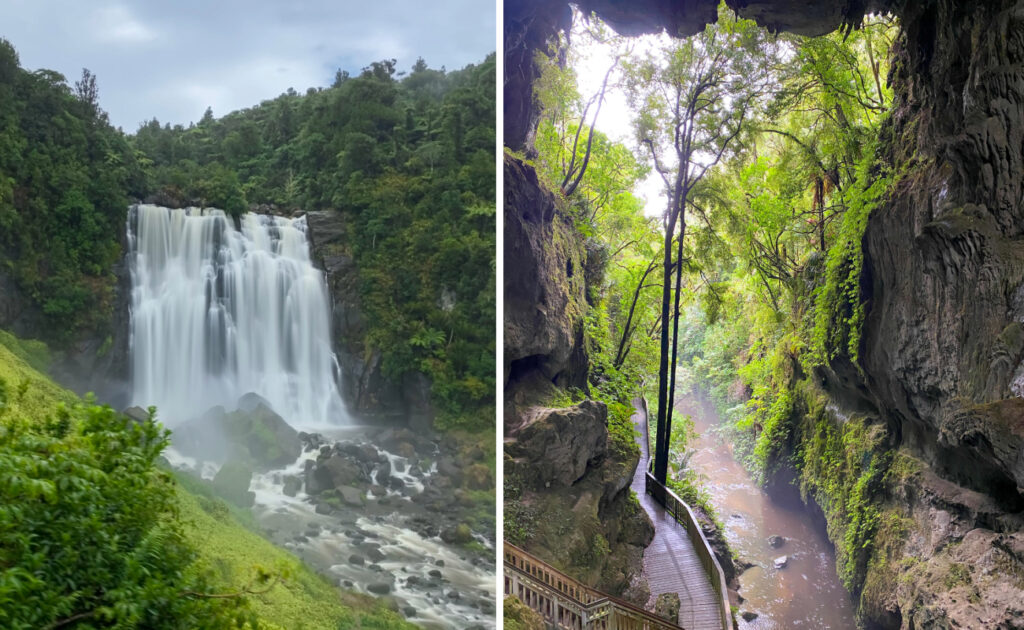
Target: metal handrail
{"points": [[579, 607], [683, 514]]}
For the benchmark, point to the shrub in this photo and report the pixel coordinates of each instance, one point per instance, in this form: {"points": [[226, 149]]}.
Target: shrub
{"points": [[87, 529]]}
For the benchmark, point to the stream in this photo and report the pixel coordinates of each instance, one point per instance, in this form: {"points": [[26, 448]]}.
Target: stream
{"points": [[372, 549], [807, 592]]}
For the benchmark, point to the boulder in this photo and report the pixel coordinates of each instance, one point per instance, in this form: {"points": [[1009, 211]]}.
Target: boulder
{"points": [[292, 485], [479, 477], [232, 484], [337, 471], [379, 588], [776, 541], [457, 535], [251, 401], [272, 443], [254, 432], [781, 562], [351, 496], [667, 606], [557, 445]]}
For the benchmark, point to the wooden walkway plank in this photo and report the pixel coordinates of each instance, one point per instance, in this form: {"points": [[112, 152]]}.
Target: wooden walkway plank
{"points": [[671, 564]]}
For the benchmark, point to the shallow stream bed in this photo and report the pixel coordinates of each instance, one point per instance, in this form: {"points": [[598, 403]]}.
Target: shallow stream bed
{"points": [[807, 592]]}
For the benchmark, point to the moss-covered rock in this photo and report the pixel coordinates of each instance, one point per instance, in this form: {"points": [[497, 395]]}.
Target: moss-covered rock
{"points": [[232, 483], [519, 616]]}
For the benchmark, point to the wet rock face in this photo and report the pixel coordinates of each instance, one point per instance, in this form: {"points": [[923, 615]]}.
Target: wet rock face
{"points": [[544, 288], [557, 445], [364, 387], [945, 255]]}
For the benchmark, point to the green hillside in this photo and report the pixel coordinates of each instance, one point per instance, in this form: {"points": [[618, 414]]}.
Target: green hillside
{"points": [[93, 528]]}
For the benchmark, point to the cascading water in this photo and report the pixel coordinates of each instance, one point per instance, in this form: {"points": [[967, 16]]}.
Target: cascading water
{"points": [[218, 312]]}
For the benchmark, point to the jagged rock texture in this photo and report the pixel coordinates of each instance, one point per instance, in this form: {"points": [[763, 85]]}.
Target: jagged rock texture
{"points": [[367, 391], [544, 283]]}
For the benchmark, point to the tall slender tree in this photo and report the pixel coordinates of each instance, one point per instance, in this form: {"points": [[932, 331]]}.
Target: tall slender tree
{"points": [[694, 97]]}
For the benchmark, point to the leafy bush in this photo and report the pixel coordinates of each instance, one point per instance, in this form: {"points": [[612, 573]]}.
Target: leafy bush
{"points": [[87, 529]]}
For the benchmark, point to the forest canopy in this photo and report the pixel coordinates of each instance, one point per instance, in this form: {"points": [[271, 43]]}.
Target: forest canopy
{"points": [[744, 276], [407, 158]]}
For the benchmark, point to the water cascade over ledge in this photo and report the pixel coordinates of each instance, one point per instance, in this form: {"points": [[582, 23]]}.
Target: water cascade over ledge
{"points": [[217, 312]]}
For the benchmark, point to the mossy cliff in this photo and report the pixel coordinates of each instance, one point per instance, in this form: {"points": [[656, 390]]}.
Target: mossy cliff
{"points": [[567, 475], [910, 439]]}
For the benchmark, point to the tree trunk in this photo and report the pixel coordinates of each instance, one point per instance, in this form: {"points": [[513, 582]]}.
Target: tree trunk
{"points": [[661, 439]]}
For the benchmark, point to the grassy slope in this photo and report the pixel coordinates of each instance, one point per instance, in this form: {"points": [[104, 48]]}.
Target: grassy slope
{"points": [[301, 601]]}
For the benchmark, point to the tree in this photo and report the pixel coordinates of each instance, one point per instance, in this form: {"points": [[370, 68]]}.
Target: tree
{"points": [[694, 99], [86, 89]]}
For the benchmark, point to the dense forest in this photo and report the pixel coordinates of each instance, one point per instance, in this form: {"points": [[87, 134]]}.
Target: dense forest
{"points": [[407, 158], [95, 530], [767, 195]]}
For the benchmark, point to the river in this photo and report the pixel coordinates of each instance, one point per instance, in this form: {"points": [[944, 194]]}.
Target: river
{"points": [[806, 593]]}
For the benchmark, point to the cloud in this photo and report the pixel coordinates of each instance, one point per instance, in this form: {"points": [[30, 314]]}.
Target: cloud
{"points": [[171, 59], [116, 24]]}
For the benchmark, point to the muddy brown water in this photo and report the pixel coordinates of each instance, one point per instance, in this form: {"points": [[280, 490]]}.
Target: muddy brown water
{"points": [[807, 593]]}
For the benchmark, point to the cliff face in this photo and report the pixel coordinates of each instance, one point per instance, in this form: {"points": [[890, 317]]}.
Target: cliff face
{"points": [[367, 391], [943, 347], [544, 284], [566, 485], [944, 337]]}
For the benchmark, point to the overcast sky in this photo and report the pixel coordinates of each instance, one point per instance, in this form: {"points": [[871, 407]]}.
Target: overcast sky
{"points": [[616, 119], [173, 59]]}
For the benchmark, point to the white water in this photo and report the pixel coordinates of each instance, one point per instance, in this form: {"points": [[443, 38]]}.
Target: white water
{"points": [[219, 312], [406, 552]]}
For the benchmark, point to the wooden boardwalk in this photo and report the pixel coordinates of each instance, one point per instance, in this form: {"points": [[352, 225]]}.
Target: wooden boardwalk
{"points": [[671, 564]]}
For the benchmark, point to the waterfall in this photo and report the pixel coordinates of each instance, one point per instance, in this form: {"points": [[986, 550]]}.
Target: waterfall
{"points": [[217, 312]]}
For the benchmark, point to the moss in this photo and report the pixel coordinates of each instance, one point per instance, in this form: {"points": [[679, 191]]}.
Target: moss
{"points": [[520, 519], [622, 433], [518, 616], [842, 466], [958, 575], [903, 468], [887, 565], [591, 551], [775, 420], [562, 398]]}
